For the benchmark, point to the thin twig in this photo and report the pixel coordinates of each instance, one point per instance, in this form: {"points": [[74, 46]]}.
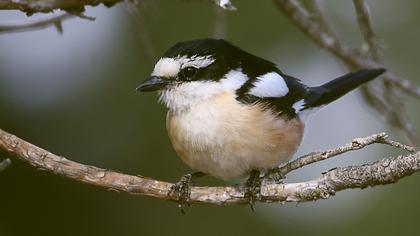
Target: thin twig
{"points": [[363, 19], [140, 30], [299, 16], [385, 171], [36, 24], [4, 164], [219, 23], [381, 172], [396, 144], [324, 22], [356, 144], [405, 85], [391, 99]]}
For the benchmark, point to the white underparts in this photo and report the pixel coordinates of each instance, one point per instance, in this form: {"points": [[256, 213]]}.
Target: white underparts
{"points": [[269, 85], [184, 95]]}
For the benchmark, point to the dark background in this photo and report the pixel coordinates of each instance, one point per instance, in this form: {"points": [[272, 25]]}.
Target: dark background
{"points": [[73, 94]]}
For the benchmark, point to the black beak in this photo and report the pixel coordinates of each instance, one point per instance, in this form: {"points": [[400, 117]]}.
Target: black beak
{"points": [[153, 83]]}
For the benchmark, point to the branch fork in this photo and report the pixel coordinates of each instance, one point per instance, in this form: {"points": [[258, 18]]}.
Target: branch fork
{"points": [[381, 172], [383, 97]]}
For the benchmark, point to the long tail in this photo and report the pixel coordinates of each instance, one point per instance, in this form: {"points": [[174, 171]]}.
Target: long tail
{"points": [[328, 92]]}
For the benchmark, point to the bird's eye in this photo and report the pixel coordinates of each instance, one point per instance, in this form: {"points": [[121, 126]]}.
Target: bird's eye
{"points": [[189, 72]]}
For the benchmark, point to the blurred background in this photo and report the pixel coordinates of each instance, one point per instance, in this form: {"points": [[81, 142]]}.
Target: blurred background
{"points": [[73, 94]]}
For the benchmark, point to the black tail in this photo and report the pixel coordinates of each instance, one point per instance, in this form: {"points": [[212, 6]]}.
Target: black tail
{"points": [[328, 92]]}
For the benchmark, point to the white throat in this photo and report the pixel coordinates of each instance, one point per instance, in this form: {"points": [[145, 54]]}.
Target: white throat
{"points": [[185, 95]]}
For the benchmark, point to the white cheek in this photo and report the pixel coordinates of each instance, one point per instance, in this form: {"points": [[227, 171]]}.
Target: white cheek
{"points": [[188, 94], [269, 85]]}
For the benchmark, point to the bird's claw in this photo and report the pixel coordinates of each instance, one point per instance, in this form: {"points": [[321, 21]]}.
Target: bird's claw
{"points": [[274, 176], [253, 188], [182, 190]]}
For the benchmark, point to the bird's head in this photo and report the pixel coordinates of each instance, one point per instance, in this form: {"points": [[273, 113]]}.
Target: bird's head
{"points": [[193, 71]]}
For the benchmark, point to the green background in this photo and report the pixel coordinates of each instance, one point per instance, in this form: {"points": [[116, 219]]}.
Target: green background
{"points": [[73, 94]]}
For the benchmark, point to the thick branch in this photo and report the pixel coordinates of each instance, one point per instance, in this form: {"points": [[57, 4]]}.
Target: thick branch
{"points": [[381, 172]]}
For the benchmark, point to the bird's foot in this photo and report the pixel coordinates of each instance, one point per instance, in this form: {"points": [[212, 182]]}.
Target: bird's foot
{"points": [[253, 188], [182, 190], [274, 176]]}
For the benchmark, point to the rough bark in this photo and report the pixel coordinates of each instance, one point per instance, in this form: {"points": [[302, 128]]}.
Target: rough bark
{"points": [[381, 172]]}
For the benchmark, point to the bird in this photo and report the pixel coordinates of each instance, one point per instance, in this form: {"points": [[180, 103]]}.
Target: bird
{"points": [[232, 114]]}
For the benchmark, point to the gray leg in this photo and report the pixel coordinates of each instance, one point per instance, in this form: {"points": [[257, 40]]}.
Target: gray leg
{"points": [[252, 187], [182, 189]]}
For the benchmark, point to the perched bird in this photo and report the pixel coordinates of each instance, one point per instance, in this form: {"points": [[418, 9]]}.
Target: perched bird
{"points": [[231, 113]]}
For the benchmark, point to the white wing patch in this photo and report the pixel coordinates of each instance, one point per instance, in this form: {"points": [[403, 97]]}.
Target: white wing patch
{"points": [[233, 80], [269, 85]]}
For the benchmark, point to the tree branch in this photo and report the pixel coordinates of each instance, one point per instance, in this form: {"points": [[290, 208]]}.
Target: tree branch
{"points": [[324, 22], [301, 18], [381, 172], [32, 6], [45, 6], [391, 99], [363, 19], [388, 107], [37, 24], [356, 144], [140, 30], [405, 85]]}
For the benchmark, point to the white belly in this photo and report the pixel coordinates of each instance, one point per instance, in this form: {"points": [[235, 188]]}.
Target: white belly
{"points": [[227, 140]]}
